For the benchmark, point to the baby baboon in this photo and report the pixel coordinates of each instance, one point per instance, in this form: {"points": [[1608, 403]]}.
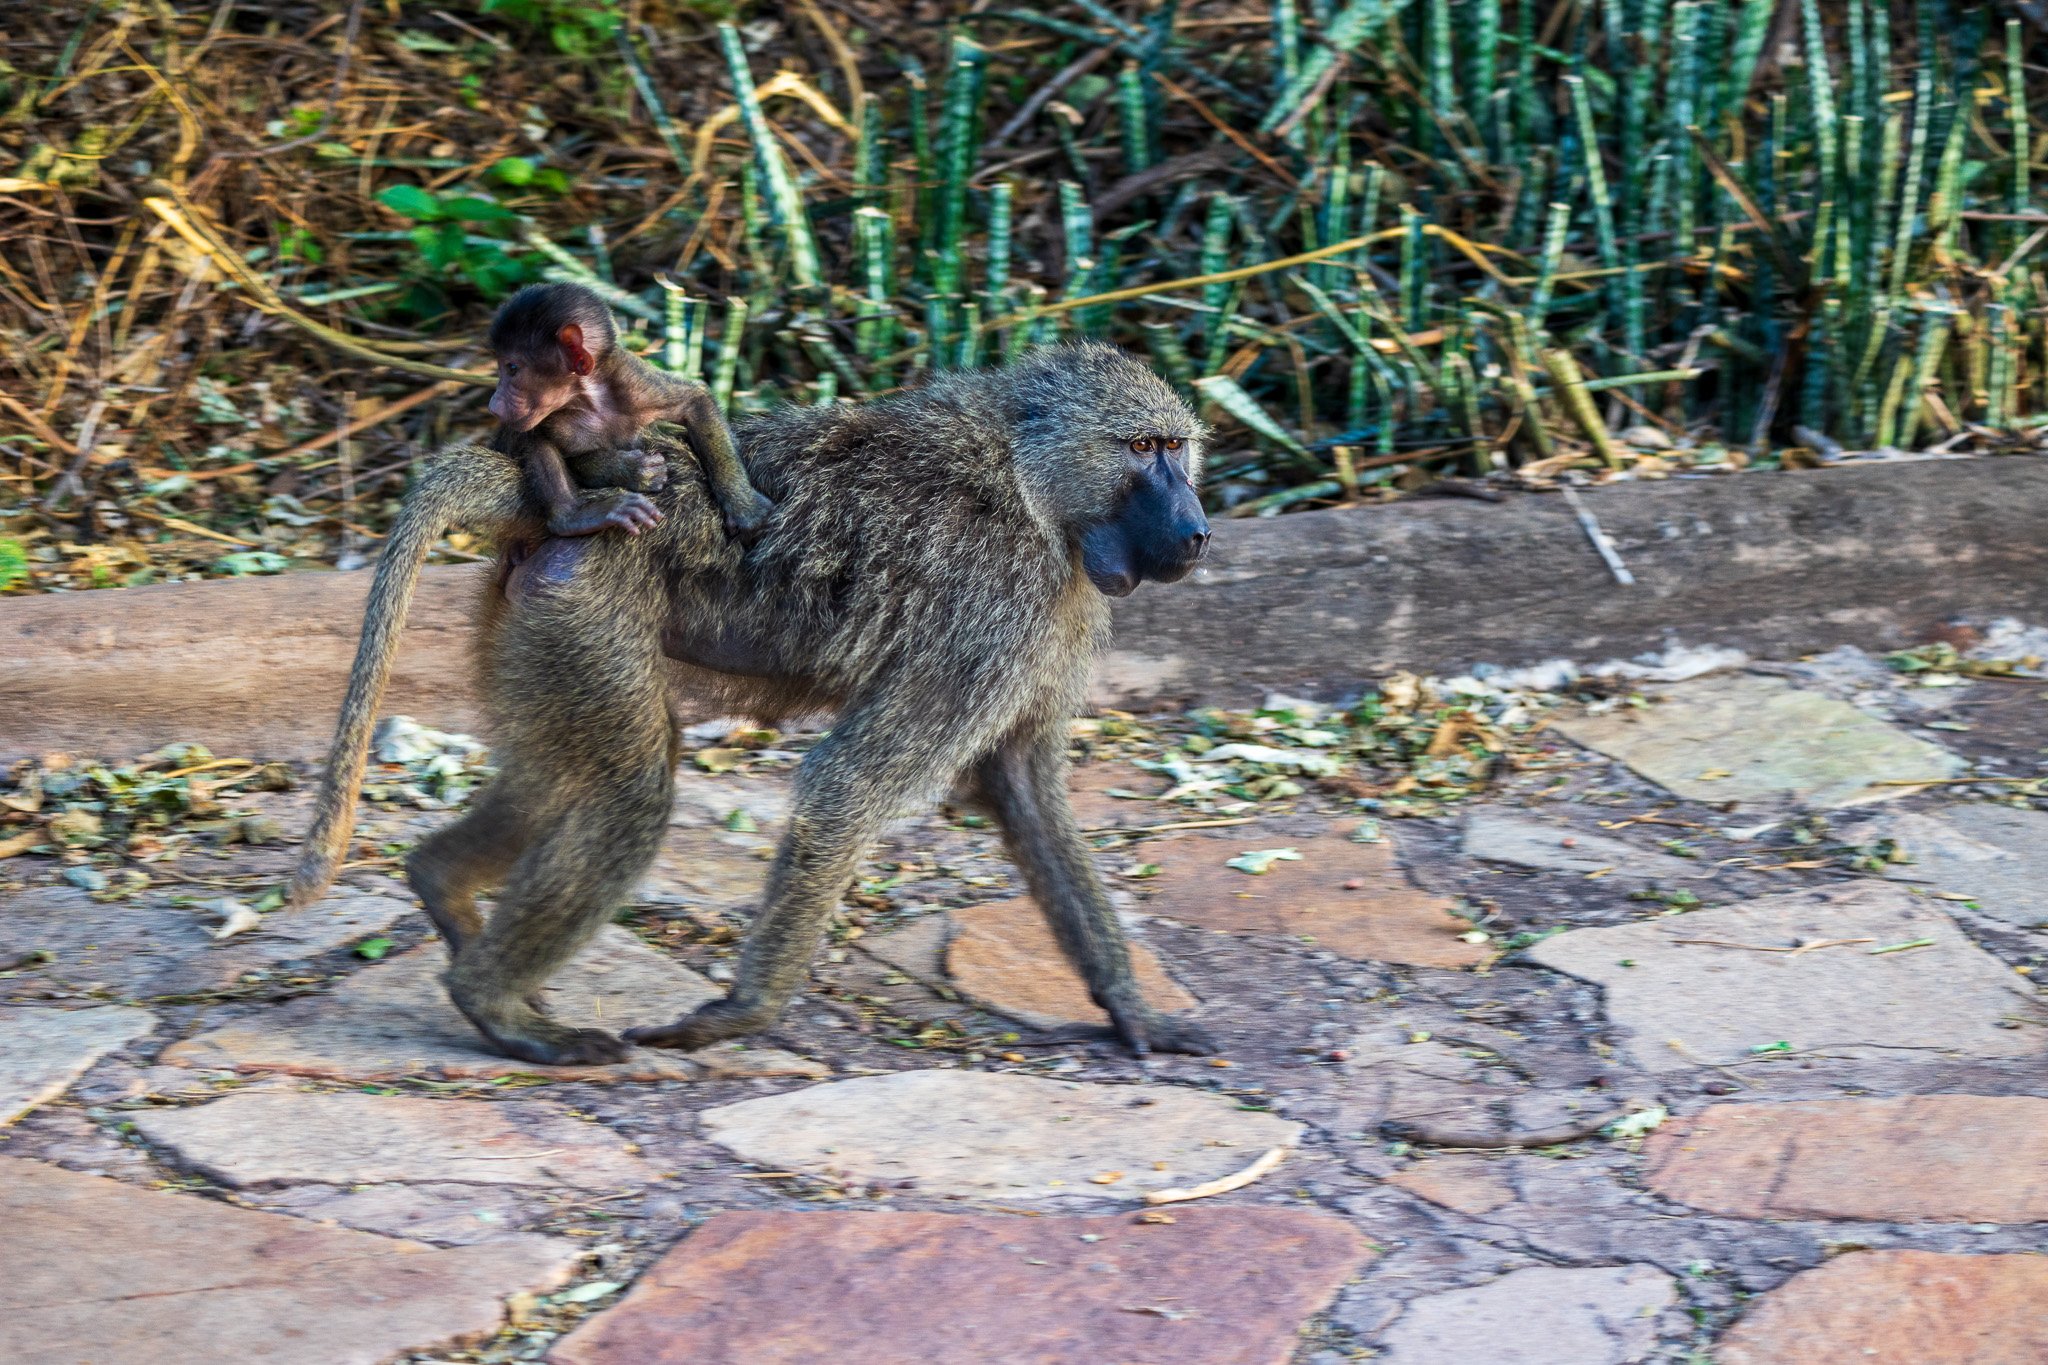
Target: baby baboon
{"points": [[567, 390], [936, 572]]}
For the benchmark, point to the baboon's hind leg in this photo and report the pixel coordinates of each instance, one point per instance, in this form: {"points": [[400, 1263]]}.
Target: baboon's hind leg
{"points": [[578, 693], [474, 854]]}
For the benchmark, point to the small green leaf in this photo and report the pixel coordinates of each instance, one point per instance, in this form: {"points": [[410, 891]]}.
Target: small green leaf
{"points": [[514, 170], [470, 209], [412, 202], [13, 562], [1258, 862], [372, 949], [245, 562]]}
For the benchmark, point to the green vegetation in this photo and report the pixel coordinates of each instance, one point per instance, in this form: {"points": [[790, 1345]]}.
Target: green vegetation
{"points": [[1380, 240]]}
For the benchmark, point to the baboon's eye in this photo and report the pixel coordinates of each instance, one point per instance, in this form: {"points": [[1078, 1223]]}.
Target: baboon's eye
{"points": [[1174, 443], [1141, 445], [511, 367]]}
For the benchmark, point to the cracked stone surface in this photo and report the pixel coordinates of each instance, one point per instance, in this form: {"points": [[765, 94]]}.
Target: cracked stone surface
{"points": [[394, 1019], [289, 1137], [1504, 837], [1914, 1158], [1351, 898], [1003, 955], [102, 1271], [307, 1156], [1762, 741], [42, 1051], [1996, 855], [1604, 1315], [999, 1136], [1223, 1286], [1680, 1004], [1902, 1308], [149, 947]]}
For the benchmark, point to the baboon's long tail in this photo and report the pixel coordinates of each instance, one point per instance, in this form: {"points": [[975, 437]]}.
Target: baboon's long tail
{"points": [[462, 484]]}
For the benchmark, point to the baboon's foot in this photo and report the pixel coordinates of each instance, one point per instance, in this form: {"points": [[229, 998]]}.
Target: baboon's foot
{"points": [[517, 1029], [707, 1024], [453, 912], [746, 514], [649, 469], [1145, 1030]]}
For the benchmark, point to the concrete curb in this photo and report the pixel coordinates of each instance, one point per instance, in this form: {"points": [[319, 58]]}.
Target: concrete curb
{"points": [[1775, 564]]}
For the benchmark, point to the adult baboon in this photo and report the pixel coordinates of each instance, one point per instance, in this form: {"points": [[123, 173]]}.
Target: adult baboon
{"points": [[936, 572]]}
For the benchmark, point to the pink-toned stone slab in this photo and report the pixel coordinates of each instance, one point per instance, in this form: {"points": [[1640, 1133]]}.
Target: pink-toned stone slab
{"points": [[100, 1271], [1349, 897], [1218, 1286], [394, 1019], [1917, 1158], [291, 1137], [1899, 1308], [1003, 955], [1468, 1185], [999, 1135]]}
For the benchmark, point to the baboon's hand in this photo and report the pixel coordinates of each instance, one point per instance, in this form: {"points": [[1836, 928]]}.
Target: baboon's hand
{"points": [[652, 474], [707, 1024]]}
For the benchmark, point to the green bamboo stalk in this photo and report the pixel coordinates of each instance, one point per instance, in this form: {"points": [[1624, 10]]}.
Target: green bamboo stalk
{"points": [[1596, 177], [1162, 339], [1947, 200], [870, 154], [997, 281], [1916, 160], [650, 100], [1553, 256], [1571, 389], [729, 343], [1345, 31], [1286, 44], [2016, 115], [957, 147], [787, 204], [1134, 118]]}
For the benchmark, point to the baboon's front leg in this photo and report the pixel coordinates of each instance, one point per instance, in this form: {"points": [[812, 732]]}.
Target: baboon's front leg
{"points": [[1025, 782], [864, 774]]}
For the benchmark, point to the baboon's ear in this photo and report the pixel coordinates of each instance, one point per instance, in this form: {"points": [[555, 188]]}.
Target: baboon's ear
{"points": [[574, 354]]}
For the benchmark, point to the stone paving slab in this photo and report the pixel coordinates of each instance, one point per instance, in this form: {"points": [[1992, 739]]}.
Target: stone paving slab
{"points": [[1218, 1286], [148, 947], [97, 1270], [1603, 1315], [1761, 741], [1996, 855], [394, 1019], [292, 1137], [1916, 1158], [1000, 1135], [1899, 1308], [1093, 789], [1003, 955], [1348, 897], [1469, 1185], [1679, 1004], [446, 1215], [42, 1051], [1505, 837]]}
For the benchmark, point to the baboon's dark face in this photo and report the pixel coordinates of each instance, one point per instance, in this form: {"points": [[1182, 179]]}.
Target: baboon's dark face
{"points": [[1156, 529]]}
